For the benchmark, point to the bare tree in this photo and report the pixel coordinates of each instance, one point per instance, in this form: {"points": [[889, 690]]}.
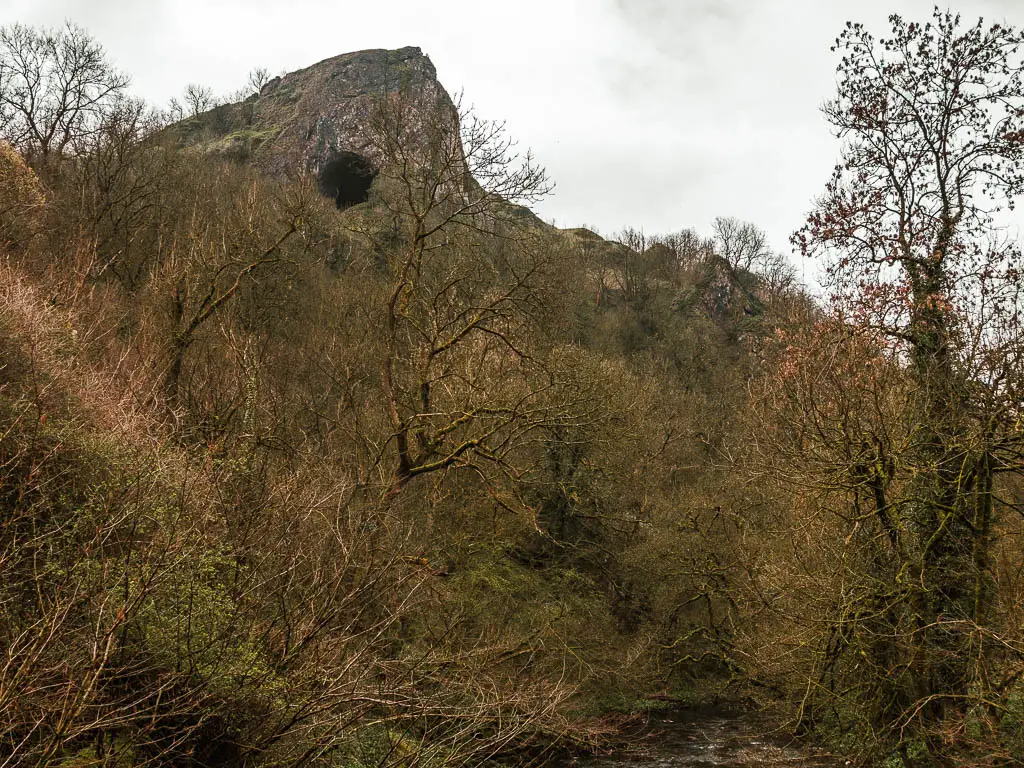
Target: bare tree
{"points": [[220, 255], [258, 77], [742, 244], [461, 383], [175, 111], [21, 198], [198, 99], [932, 123], [688, 246], [55, 88]]}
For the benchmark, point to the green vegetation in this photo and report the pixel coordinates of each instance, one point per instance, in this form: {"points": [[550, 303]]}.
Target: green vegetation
{"points": [[426, 482], [241, 145]]}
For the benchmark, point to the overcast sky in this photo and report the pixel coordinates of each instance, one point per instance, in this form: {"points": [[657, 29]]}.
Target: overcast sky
{"points": [[656, 114]]}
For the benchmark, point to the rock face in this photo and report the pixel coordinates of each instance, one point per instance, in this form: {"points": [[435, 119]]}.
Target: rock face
{"points": [[320, 121], [317, 120]]}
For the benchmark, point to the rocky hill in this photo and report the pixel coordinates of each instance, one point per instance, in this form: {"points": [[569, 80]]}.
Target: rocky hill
{"points": [[317, 120], [415, 478], [321, 121]]}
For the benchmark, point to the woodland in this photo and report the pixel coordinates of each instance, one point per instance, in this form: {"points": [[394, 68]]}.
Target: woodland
{"points": [[400, 476]]}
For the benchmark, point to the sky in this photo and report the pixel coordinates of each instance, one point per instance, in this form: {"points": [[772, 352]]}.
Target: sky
{"points": [[652, 114]]}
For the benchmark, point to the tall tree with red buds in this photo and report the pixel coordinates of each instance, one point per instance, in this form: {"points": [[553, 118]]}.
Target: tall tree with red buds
{"points": [[911, 227]]}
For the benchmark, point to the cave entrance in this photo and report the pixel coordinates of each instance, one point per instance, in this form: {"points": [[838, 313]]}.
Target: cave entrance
{"points": [[347, 179]]}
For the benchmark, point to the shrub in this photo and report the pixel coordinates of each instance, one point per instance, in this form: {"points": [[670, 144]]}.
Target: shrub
{"points": [[21, 198]]}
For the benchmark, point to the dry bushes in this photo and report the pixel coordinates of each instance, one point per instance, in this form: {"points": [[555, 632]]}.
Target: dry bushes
{"points": [[21, 199]]}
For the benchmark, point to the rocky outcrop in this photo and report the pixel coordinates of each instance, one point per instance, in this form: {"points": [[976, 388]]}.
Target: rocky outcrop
{"points": [[723, 294], [317, 120], [320, 121]]}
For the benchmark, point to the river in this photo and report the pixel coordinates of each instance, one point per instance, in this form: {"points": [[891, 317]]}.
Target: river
{"points": [[716, 740]]}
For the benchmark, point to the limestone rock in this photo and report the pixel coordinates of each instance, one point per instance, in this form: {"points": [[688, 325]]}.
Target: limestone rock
{"points": [[308, 119]]}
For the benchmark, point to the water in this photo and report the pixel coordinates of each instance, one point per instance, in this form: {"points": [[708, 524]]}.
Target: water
{"points": [[716, 740]]}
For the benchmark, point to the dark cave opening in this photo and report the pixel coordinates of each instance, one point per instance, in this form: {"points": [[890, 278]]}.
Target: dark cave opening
{"points": [[347, 179]]}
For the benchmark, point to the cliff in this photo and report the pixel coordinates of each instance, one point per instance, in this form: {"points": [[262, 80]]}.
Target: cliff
{"points": [[318, 120]]}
